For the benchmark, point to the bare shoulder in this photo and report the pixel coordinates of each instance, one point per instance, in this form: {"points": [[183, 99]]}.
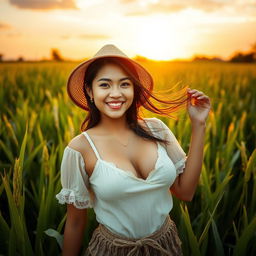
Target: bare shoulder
{"points": [[78, 143], [154, 122]]}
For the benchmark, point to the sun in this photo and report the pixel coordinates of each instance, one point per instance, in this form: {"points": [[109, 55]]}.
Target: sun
{"points": [[158, 39]]}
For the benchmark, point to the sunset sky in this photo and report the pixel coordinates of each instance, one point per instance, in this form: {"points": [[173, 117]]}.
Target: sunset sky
{"points": [[156, 29]]}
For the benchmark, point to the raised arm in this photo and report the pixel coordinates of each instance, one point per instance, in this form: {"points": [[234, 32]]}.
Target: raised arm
{"points": [[185, 184], [198, 108]]}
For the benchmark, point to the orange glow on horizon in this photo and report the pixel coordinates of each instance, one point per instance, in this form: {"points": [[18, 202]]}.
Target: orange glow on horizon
{"points": [[154, 29]]}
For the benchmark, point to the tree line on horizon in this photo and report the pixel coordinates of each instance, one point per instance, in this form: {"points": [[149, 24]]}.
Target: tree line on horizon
{"points": [[238, 56]]}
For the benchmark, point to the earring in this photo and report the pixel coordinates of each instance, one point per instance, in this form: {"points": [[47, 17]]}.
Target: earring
{"points": [[91, 100]]}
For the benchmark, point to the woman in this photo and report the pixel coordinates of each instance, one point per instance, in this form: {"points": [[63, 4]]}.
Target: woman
{"points": [[123, 166]]}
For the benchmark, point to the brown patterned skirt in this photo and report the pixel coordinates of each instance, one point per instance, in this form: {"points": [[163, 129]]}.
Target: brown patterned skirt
{"points": [[164, 241]]}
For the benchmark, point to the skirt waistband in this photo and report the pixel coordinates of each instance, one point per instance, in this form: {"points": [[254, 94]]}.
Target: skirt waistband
{"points": [[163, 242]]}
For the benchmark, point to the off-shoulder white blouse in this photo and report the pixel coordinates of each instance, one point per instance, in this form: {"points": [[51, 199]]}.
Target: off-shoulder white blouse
{"points": [[127, 205]]}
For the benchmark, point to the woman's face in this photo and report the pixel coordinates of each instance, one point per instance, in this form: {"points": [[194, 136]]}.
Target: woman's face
{"points": [[112, 91]]}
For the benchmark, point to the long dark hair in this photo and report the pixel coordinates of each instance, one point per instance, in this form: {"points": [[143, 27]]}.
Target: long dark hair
{"points": [[141, 99]]}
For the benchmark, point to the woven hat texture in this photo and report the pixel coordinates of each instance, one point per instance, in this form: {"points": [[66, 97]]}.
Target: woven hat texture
{"points": [[75, 84]]}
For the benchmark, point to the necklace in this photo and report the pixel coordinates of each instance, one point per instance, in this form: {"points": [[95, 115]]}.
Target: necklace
{"points": [[123, 144]]}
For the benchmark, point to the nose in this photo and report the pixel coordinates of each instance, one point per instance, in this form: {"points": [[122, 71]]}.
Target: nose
{"points": [[115, 92]]}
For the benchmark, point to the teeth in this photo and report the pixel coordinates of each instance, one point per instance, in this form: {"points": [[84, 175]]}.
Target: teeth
{"points": [[115, 104]]}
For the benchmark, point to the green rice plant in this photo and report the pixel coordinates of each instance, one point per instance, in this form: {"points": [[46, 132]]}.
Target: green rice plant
{"points": [[17, 230], [37, 120], [242, 244]]}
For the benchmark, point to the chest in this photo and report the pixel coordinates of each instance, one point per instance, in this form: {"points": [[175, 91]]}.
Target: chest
{"points": [[138, 157], [111, 184]]}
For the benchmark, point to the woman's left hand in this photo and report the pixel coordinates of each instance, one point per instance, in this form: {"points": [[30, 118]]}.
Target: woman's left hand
{"points": [[198, 106]]}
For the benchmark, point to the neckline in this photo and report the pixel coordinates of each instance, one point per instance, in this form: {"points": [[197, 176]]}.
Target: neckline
{"points": [[128, 173]]}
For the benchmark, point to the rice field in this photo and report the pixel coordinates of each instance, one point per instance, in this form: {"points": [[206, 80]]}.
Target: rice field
{"points": [[38, 120]]}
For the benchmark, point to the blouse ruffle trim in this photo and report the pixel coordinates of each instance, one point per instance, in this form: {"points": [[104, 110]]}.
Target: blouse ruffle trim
{"points": [[68, 196], [180, 165]]}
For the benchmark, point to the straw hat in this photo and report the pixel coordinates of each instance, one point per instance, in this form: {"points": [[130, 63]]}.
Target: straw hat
{"points": [[75, 82]]}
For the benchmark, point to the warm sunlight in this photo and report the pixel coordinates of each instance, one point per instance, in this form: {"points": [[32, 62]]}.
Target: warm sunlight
{"points": [[159, 39], [158, 30], [81, 4]]}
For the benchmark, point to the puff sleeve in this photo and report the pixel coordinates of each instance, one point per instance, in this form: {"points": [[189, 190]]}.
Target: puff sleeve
{"points": [[174, 149], [74, 180]]}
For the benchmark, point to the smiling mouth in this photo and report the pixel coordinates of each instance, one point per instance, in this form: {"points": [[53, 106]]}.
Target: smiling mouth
{"points": [[115, 105]]}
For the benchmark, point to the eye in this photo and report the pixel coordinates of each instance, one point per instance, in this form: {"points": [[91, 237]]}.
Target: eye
{"points": [[125, 84], [104, 85]]}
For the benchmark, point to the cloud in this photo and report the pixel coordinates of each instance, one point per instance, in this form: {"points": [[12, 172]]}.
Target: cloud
{"points": [[143, 7], [88, 36], [44, 4], [5, 26], [156, 8], [15, 34]]}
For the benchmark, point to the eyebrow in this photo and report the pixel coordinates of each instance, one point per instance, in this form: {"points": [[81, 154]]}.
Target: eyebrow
{"points": [[109, 80]]}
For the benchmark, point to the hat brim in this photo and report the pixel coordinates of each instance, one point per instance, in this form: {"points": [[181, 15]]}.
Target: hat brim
{"points": [[75, 81]]}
